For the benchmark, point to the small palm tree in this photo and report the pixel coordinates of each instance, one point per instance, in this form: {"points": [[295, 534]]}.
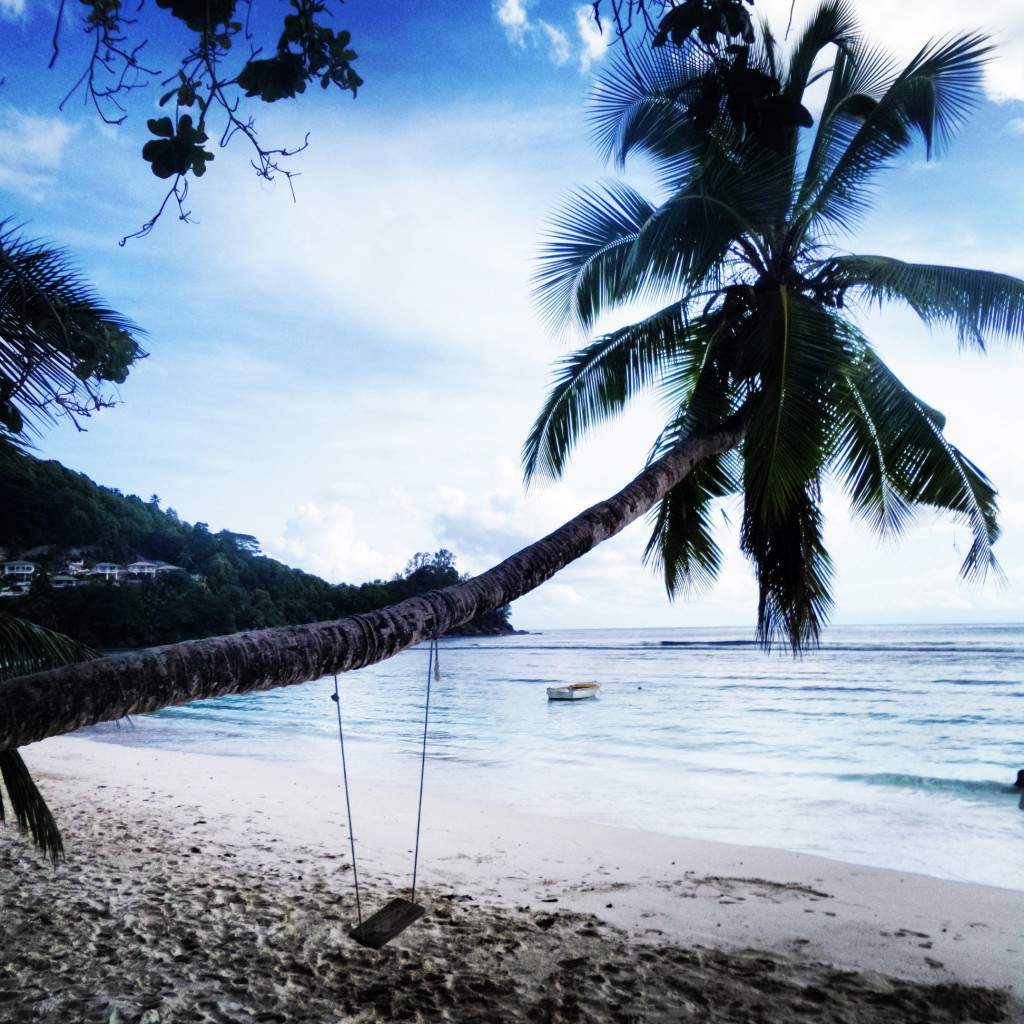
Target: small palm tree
{"points": [[759, 304]]}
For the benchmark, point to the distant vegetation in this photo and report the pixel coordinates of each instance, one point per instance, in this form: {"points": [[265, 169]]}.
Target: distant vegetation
{"points": [[50, 515]]}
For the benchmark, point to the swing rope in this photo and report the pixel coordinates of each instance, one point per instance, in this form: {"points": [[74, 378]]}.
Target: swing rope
{"points": [[348, 804], [433, 672]]}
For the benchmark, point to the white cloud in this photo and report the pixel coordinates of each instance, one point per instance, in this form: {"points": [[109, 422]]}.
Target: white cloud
{"points": [[33, 142], [12, 10], [488, 525], [522, 30], [558, 46], [330, 541], [557, 594], [593, 42], [436, 254], [369, 533], [512, 17], [31, 148]]}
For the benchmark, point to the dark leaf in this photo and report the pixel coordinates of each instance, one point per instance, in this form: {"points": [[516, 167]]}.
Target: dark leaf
{"points": [[704, 109], [29, 807], [274, 78], [162, 127], [200, 15], [679, 22], [11, 418]]}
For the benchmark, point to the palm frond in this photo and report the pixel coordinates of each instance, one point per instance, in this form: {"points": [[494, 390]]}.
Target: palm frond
{"points": [[799, 352], [975, 303], [640, 105], [597, 381], [832, 24], [686, 244], [30, 809], [57, 340], [682, 546], [12, 447], [587, 263], [867, 458], [702, 387], [859, 77], [26, 648], [930, 99], [793, 569], [892, 449]]}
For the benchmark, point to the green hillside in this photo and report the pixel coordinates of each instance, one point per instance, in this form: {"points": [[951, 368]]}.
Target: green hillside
{"points": [[54, 517]]}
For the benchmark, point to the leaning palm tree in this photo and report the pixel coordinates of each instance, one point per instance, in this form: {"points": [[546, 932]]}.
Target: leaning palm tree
{"points": [[757, 305], [773, 384]]}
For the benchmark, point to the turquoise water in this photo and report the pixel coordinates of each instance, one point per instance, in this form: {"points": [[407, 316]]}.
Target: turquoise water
{"points": [[891, 746]]}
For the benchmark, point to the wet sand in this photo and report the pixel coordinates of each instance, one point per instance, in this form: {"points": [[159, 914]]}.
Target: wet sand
{"points": [[202, 888]]}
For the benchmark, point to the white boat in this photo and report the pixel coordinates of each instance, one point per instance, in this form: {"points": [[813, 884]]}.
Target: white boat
{"points": [[573, 691]]}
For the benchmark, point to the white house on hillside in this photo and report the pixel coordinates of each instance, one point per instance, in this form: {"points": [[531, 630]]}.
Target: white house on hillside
{"points": [[144, 567], [22, 570], [108, 570], [151, 567], [17, 577]]}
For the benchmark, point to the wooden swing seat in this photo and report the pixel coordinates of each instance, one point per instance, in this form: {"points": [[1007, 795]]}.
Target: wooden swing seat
{"points": [[389, 921]]}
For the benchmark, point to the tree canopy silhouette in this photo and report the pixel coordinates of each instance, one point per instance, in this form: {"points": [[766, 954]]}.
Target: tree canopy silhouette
{"points": [[230, 57]]}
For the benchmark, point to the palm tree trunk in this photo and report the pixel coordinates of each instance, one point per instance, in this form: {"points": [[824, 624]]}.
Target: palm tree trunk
{"points": [[62, 700]]}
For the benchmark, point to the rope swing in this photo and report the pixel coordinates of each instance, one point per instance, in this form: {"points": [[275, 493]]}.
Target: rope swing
{"points": [[396, 916]]}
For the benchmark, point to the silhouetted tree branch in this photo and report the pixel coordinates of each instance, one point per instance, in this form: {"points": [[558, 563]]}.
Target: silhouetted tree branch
{"points": [[224, 65]]}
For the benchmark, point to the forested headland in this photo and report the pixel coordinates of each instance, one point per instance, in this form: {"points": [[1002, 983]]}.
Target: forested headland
{"points": [[53, 517]]}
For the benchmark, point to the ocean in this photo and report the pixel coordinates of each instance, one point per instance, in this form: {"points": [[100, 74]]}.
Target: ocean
{"points": [[890, 746]]}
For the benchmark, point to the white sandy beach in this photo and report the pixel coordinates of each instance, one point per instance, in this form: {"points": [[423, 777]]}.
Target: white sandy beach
{"points": [[201, 888]]}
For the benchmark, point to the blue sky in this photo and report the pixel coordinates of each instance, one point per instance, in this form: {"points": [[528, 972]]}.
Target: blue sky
{"points": [[350, 377]]}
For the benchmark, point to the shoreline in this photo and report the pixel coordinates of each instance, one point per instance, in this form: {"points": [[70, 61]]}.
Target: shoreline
{"points": [[215, 834]]}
